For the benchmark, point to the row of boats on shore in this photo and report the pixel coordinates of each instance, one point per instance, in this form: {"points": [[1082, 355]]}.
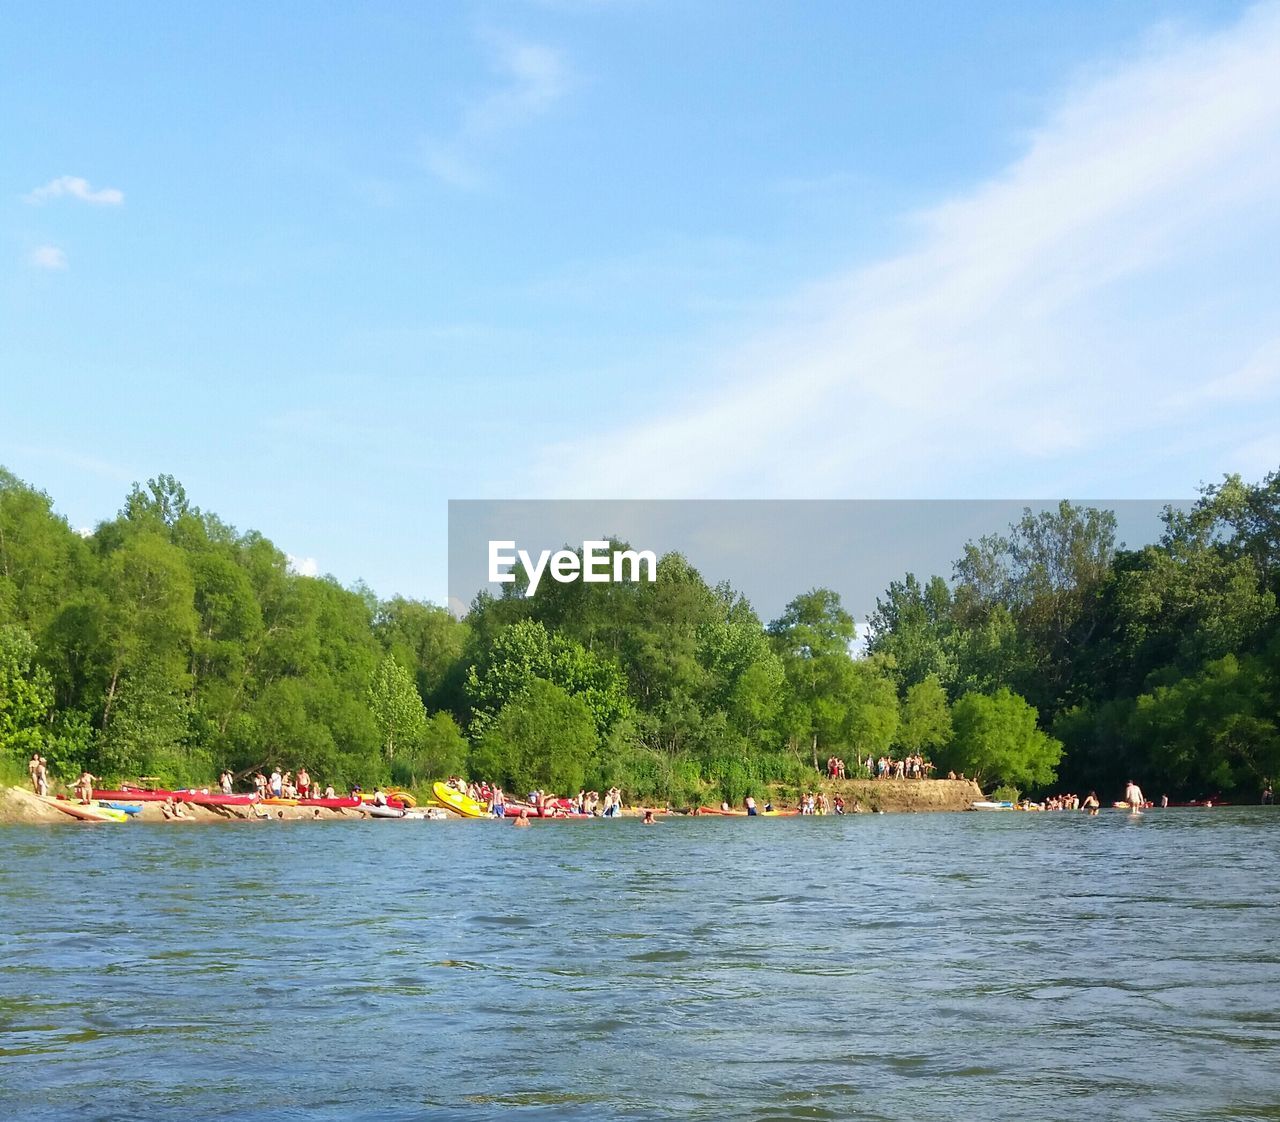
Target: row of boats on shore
{"points": [[125, 802]]}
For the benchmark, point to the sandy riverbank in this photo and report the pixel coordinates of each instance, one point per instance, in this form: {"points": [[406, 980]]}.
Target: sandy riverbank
{"points": [[18, 805]]}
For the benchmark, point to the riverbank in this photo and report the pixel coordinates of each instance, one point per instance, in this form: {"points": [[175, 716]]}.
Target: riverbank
{"points": [[902, 795], [18, 805]]}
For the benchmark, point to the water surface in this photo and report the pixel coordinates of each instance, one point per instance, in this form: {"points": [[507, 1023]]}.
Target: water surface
{"points": [[946, 966]]}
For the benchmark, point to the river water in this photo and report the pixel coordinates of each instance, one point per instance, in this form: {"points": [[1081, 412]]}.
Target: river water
{"points": [[945, 966]]}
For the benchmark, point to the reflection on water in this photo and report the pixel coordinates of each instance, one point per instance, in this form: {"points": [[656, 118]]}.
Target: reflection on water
{"points": [[879, 967]]}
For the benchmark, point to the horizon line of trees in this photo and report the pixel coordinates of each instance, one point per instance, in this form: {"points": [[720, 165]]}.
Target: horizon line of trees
{"points": [[167, 643]]}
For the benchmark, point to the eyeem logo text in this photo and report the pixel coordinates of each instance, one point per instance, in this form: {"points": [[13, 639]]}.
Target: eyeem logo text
{"points": [[597, 564]]}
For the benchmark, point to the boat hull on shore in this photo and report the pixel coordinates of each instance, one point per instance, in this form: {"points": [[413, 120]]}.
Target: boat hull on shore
{"points": [[134, 795], [86, 812]]}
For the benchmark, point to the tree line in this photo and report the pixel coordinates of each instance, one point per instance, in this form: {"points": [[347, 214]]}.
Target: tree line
{"points": [[168, 644]]}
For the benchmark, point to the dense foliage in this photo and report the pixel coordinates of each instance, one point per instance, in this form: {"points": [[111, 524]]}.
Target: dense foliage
{"points": [[168, 644]]}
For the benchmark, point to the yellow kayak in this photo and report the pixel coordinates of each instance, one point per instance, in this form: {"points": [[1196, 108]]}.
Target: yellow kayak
{"points": [[458, 800], [87, 812]]}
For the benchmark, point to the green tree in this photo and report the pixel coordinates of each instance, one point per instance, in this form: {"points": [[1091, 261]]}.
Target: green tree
{"points": [[526, 651], [542, 739], [998, 740], [913, 626], [397, 708], [926, 718], [26, 695], [1213, 731], [872, 715]]}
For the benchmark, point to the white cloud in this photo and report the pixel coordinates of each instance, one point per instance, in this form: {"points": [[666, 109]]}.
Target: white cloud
{"points": [[73, 186], [48, 257], [1257, 379], [534, 78], [531, 79], [303, 566], [1038, 316]]}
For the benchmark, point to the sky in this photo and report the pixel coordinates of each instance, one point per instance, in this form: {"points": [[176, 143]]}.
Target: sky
{"points": [[333, 265]]}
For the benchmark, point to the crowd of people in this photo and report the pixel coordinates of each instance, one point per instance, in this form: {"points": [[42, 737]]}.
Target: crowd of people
{"points": [[282, 785], [494, 799], [909, 767], [885, 767]]}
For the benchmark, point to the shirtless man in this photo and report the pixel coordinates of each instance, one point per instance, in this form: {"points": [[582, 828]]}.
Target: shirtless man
{"points": [[42, 777], [1133, 796], [523, 820], [304, 783]]}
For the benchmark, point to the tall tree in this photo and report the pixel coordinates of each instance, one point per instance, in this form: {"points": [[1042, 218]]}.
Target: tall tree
{"points": [[397, 708]]}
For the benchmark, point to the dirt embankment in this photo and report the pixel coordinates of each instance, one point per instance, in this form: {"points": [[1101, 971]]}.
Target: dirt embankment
{"points": [[903, 794]]}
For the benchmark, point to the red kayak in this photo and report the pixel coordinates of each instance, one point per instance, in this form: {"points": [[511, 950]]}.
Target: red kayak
{"points": [[209, 798], [134, 795]]}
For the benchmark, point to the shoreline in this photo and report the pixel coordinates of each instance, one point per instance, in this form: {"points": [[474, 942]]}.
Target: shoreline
{"points": [[19, 806]]}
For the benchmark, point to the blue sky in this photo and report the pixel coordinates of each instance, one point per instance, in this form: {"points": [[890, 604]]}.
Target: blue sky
{"points": [[333, 265]]}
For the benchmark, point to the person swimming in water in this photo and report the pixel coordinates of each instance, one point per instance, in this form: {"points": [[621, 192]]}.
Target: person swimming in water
{"points": [[523, 818]]}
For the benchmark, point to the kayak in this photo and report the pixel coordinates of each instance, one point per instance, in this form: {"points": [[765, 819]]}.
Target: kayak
{"points": [[395, 797], [335, 803], [384, 811], [86, 812], [134, 795], [129, 808], [457, 800], [984, 804]]}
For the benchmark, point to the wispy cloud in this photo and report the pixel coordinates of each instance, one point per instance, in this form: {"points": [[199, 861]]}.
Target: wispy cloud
{"points": [[74, 187], [48, 257], [1038, 315], [529, 79]]}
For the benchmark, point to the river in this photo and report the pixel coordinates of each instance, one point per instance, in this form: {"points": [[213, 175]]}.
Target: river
{"points": [[944, 966]]}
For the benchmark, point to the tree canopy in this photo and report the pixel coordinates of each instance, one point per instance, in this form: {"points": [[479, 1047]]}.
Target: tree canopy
{"points": [[168, 643]]}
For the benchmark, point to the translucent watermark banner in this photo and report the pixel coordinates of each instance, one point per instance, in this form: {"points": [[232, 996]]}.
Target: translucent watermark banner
{"points": [[770, 551]]}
